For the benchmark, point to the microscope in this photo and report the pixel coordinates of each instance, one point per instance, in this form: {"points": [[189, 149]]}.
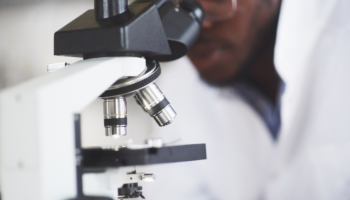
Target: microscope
{"points": [[121, 44]]}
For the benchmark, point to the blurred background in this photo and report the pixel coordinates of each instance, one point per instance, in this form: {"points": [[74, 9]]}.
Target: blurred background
{"points": [[26, 43], [26, 36], [311, 57]]}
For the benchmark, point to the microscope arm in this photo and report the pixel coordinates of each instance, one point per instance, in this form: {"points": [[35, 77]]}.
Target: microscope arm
{"points": [[37, 126]]}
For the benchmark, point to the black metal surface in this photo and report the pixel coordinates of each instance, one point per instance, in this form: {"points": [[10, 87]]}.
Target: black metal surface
{"points": [[181, 27], [159, 107], [141, 35], [195, 9], [158, 3], [100, 158], [116, 122], [135, 86], [155, 29], [129, 191], [79, 169], [91, 198], [107, 9]]}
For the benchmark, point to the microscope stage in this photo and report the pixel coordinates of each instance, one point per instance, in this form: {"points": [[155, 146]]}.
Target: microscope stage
{"points": [[105, 158]]}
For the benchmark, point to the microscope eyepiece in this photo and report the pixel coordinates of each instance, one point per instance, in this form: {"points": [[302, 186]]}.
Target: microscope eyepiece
{"points": [[110, 12]]}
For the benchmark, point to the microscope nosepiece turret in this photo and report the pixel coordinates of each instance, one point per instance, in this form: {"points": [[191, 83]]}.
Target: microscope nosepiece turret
{"points": [[147, 95]]}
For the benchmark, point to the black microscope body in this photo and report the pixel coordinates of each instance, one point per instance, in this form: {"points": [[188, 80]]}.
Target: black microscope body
{"points": [[159, 31], [154, 29]]}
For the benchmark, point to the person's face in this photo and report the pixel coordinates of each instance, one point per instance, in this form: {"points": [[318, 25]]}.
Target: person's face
{"points": [[225, 46]]}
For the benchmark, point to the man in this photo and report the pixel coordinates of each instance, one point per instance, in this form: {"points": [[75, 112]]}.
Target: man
{"points": [[312, 159], [236, 114], [238, 50]]}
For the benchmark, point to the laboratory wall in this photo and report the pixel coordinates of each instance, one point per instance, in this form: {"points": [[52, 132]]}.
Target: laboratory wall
{"points": [[27, 33]]}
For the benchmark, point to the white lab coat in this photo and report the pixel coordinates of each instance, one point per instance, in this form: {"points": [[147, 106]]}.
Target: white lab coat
{"points": [[313, 58], [239, 146]]}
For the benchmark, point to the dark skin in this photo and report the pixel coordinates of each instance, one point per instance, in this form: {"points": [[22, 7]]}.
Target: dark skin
{"points": [[241, 47]]}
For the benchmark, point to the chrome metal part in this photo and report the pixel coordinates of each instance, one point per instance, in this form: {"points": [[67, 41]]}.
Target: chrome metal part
{"points": [[148, 177], [115, 131], [166, 116], [115, 115], [56, 66], [132, 80], [153, 101], [149, 96], [146, 93]]}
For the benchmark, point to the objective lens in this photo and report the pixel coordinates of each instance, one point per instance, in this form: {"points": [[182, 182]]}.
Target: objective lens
{"points": [[115, 117], [155, 104]]}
